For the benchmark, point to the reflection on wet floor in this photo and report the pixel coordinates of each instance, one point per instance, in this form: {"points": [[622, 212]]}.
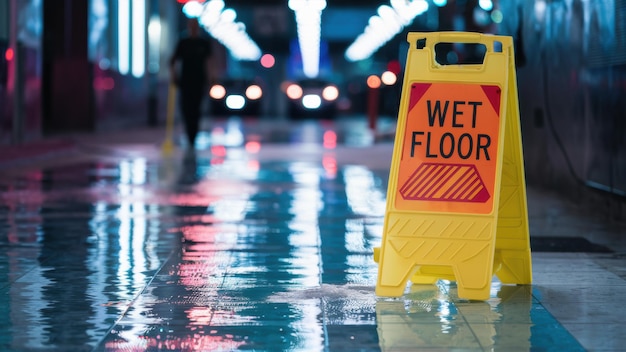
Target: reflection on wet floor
{"points": [[228, 249], [430, 317]]}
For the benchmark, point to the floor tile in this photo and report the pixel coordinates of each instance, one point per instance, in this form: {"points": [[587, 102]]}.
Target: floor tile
{"points": [[121, 249]]}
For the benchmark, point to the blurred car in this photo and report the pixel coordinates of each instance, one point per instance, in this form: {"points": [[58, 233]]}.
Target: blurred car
{"points": [[311, 97], [235, 96]]}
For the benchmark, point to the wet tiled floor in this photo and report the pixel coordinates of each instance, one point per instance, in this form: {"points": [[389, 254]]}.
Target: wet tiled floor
{"points": [[263, 241]]}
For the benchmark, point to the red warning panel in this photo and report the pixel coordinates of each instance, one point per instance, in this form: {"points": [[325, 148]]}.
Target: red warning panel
{"points": [[450, 148]]}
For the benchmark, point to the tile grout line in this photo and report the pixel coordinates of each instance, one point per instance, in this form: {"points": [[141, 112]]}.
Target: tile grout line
{"points": [[117, 321]]}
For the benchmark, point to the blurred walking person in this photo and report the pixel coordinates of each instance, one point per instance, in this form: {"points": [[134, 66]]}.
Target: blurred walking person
{"points": [[190, 70]]}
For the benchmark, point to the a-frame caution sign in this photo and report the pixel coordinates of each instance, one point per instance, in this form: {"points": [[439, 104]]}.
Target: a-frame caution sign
{"points": [[456, 200]]}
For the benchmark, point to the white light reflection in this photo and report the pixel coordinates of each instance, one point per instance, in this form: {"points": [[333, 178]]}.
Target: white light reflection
{"points": [[230, 209], [366, 198], [132, 262], [138, 175], [355, 243], [231, 136], [305, 259], [444, 312], [153, 237], [29, 304], [132, 229], [97, 260], [138, 240], [309, 326], [123, 214]]}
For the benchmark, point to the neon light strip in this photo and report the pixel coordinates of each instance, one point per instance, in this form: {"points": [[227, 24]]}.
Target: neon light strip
{"points": [[139, 38], [123, 28]]}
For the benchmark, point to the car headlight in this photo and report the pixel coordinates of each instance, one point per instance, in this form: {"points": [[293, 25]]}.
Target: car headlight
{"points": [[389, 78], [330, 93], [235, 102], [311, 101], [217, 92], [294, 91], [254, 92]]}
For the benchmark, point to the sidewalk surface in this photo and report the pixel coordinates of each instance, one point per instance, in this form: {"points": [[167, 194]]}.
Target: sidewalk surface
{"points": [[262, 239]]}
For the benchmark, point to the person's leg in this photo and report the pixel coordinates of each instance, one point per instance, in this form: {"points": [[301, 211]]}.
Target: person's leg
{"points": [[190, 103]]}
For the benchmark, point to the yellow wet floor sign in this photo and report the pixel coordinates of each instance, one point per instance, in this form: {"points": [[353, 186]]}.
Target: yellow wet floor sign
{"points": [[456, 200]]}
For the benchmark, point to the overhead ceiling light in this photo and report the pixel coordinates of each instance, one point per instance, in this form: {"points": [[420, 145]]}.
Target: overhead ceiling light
{"points": [[308, 23], [486, 5], [192, 9], [220, 24], [383, 26]]}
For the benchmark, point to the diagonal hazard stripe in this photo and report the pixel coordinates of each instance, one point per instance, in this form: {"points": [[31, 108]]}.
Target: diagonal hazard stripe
{"points": [[445, 182], [465, 177]]}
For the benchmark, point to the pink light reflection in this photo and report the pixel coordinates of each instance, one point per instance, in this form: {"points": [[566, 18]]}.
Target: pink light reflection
{"points": [[254, 165], [218, 150], [195, 342], [330, 139], [330, 165], [253, 147]]}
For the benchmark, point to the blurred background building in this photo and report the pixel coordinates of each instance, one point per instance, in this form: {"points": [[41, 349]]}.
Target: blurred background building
{"points": [[90, 65]]}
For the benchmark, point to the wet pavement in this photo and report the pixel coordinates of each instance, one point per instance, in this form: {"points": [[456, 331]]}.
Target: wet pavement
{"points": [[262, 240]]}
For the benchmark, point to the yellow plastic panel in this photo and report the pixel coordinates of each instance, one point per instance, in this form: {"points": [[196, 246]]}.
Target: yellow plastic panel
{"points": [[513, 257], [453, 212]]}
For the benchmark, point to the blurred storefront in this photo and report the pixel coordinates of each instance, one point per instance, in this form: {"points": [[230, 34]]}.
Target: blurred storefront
{"points": [[71, 66]]}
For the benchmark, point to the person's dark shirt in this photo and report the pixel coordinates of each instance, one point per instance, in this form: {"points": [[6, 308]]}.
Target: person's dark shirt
{"points": [[193, 53]]}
